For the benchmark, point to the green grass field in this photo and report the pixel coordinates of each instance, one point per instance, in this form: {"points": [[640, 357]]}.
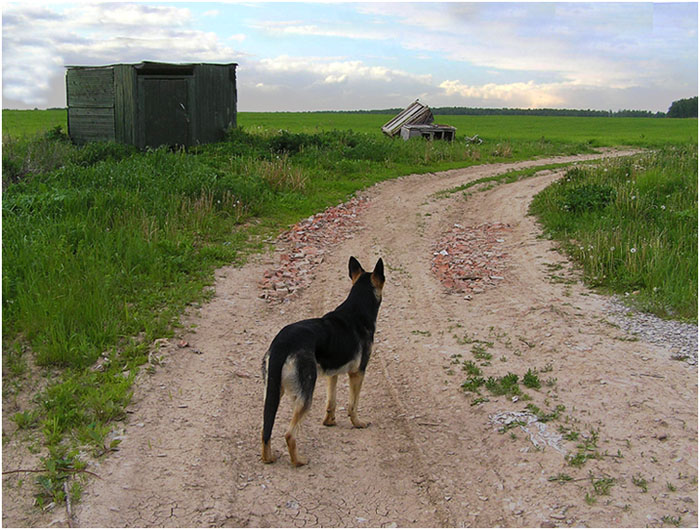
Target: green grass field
{"points": [[645, 132], [104, 246], [18, 123]]}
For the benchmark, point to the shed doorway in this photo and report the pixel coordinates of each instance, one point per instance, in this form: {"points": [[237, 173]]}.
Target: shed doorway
{"points": [[165, 110]]}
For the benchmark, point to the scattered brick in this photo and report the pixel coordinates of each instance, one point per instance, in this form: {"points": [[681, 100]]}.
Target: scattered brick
{"points": [[304, 246], [471, 259]]}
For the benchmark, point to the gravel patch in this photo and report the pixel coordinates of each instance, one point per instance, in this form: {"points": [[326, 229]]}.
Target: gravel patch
{"points": [[536, 430], [679, 338], [471, 259], [304, 245]]}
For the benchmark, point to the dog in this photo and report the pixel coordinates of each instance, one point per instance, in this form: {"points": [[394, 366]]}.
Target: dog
{"points": [[340, 342]]}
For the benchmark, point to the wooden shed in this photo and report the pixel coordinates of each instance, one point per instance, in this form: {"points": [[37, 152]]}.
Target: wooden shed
{"points": [[151, 104], [416, 121]]}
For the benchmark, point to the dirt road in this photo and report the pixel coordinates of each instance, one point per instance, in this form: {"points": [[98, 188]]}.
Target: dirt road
{"points": [[433, 455]]}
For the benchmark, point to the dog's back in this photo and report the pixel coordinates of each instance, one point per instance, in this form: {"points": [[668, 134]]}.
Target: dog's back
{"points": [[339, 342]]}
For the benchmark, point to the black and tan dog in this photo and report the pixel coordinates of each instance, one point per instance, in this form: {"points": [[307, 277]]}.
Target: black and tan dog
{"points": [[340, 342]]}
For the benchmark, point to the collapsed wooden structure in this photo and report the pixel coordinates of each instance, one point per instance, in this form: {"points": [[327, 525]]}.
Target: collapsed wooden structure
{"points": [[416, 121]]}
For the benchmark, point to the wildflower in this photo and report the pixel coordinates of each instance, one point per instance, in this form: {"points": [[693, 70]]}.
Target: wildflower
{"points": [[612, 249], [633, 250], [663, 206]]}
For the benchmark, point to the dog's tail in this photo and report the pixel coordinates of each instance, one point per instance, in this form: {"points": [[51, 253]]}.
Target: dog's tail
{"points": [[272, 374]]}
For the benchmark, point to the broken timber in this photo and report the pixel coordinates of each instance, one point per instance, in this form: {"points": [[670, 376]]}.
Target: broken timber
{"points": [[416, 120]]}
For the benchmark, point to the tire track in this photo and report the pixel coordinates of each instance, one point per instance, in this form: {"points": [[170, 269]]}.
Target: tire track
{"points": [[429, 458]]}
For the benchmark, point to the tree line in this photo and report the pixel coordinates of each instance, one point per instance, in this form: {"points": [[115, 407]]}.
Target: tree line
{"points": [[683, 108]]}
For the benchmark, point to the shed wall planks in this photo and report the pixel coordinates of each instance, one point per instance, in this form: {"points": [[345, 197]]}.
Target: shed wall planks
{"points": [[109, 103], [125, 104]]}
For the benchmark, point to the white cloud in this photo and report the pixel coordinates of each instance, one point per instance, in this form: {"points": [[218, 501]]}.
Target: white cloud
{"points": [[130, 17], [335, 70], [281, 28], [613, 45], [374, 55], [39, 42], [529, 95]]}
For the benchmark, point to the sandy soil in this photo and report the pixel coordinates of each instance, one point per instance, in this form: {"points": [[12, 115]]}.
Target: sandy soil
{"points": [[431, 456]]}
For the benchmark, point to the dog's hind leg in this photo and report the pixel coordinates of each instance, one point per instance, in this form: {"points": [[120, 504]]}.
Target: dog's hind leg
{"points": [[299, 377], [355, 387], [301, 406], [330, 401]]}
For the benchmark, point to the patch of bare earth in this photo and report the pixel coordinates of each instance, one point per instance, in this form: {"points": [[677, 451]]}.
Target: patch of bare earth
{"points": [[434, 454]]}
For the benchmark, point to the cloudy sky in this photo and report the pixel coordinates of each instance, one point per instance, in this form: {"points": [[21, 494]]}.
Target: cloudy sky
{"points": [[345, 56]]}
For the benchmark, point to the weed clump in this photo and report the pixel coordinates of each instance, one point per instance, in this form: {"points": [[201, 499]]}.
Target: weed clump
{"points": [[632, 226]]}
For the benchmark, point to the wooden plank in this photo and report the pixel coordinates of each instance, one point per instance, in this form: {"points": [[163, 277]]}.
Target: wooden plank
{"points": [[215, 96], [125, 117], [94, 87], [165, 112], [89, 124]]}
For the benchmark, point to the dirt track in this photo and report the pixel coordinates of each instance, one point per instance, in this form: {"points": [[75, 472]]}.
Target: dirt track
{"points": [[190, 453]]}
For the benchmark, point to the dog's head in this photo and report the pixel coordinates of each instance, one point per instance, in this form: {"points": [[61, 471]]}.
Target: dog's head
{"points": [[376, 277]]}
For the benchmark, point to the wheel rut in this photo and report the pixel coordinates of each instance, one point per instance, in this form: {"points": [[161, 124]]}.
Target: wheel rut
{"points": [[431, 457]]}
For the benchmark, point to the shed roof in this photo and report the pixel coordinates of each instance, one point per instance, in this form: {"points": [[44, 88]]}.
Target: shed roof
{"points": [[415, 113], [148, 65]]}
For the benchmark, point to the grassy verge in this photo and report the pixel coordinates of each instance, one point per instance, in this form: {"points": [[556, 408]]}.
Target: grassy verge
{"points": [[632, 226], [486, 183], [104, 246]]}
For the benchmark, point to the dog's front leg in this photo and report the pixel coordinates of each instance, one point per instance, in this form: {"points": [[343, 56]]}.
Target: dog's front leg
{"points": [[355, 387], [330, 401]]}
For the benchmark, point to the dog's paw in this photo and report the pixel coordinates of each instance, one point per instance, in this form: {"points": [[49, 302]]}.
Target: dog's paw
{"points": [[269, 459], [300, 461], [329, 421], [361, 424]]}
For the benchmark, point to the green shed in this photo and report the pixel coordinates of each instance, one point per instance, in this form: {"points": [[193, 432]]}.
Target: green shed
{"points": [[151, 104]]}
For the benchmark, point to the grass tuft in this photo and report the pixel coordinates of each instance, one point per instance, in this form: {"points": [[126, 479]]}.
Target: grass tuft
{"points": [[632, 226]]}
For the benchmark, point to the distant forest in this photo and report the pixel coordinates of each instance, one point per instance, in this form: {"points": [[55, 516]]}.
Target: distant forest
{"points": [[683, 108]]}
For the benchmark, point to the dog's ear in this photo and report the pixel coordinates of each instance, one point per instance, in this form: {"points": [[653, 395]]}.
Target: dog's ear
{"points": [[378, 274], [355, 269]]}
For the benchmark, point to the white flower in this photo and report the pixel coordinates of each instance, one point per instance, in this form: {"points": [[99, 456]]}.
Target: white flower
{"points": [[612, 249], [663, 206], [633, 250]]}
